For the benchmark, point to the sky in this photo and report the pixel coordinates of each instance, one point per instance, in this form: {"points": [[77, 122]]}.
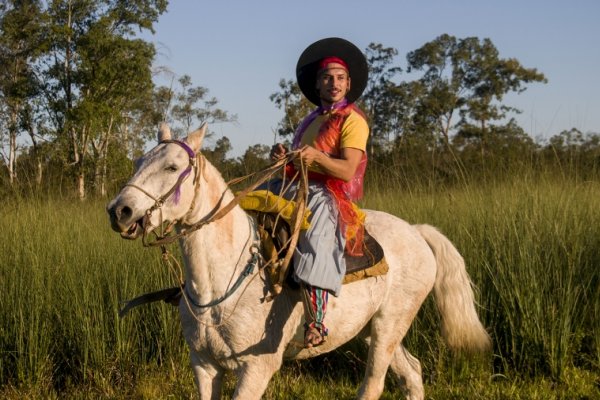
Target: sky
{"points": [[240, 49]]}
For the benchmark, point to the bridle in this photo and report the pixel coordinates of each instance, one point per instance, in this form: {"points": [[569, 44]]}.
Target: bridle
{"points": [[196, 165]]}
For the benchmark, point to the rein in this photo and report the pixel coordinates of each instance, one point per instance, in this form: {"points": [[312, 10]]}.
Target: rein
{"points": [[166, 236]]}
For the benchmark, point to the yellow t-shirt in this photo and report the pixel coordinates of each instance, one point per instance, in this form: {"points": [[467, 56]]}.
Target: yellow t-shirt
{"points": [[355, 131]]}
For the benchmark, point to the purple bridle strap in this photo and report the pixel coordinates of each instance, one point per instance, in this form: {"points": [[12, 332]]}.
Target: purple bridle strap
{"points": [[186, 172], [184, 145]]}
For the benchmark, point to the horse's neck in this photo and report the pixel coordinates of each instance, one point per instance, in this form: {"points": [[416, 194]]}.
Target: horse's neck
{"points": [[218, 252]]}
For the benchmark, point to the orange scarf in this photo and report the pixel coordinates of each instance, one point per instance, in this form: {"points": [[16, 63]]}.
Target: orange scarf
{"points": [[351, 221]]}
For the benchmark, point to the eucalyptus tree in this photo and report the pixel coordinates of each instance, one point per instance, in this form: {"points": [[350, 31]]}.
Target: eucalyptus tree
{"points": [[117, 82], [464, 83], [21, 43], [95, 70], [381, 101], [187, 106], [574, 151], [294, 105], [255, 158]]}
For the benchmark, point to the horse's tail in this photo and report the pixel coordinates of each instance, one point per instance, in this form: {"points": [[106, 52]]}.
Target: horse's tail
{"points": [[461, 327]]}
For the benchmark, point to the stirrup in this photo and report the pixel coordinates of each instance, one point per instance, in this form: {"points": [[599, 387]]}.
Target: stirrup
{"points": [[314, 336]]}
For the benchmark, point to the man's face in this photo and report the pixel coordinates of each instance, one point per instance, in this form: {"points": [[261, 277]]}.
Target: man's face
{"points": [[333, 83]]}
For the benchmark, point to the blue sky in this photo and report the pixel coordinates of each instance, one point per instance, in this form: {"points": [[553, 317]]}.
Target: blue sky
{"points": [[240, 50]]}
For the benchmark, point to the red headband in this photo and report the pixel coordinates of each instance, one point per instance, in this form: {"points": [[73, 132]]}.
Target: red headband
{"points": [[328, 60]]}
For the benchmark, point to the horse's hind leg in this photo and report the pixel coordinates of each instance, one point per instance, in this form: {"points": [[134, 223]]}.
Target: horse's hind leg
{"points": [[388, 327], [385, 338], [407, 370]]}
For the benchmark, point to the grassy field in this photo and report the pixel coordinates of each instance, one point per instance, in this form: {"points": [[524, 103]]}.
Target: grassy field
{"points": [[531, 247]]}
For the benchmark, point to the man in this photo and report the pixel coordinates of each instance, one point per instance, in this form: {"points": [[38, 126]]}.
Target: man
{"points": [[332, 74]]}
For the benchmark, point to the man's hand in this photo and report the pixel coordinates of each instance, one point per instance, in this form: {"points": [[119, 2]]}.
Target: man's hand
{"points": [[278, 151], [309, 156]]}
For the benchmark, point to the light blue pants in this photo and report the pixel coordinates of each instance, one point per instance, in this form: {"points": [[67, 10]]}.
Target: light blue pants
{"points": [[319, 256]]}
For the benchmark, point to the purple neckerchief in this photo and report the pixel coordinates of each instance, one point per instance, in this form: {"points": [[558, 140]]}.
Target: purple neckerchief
{"points": [[311, 117]]}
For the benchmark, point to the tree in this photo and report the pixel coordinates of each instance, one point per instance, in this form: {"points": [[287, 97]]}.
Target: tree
{"points": [[466, 77], [117, 83], [294, 105], [192, 107], [380, 99], [85, 87], [21, 43], [218, 156], [255, 158], [574, 151]]}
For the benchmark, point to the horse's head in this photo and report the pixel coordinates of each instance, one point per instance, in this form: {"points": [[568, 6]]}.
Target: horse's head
{"points": [[162, 188]]}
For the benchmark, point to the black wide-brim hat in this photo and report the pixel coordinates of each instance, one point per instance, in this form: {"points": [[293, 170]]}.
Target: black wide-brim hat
{"points": [[308, 67]]}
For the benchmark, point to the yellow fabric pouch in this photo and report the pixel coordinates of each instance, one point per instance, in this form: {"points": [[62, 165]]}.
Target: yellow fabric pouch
{"points": [[268, 202]]}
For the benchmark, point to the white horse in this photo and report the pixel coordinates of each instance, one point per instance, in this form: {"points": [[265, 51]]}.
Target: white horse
{"points": [[250, 336]]}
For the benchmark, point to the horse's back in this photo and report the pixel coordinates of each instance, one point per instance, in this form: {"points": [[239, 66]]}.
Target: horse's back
{"points": [[400, 240]]}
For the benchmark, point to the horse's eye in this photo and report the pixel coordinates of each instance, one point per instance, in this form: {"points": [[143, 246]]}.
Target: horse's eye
{"points": [[171, 168]]}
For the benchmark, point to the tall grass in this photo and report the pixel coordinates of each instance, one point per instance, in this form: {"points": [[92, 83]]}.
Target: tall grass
{"points": [[530, 245], [64, 273]]}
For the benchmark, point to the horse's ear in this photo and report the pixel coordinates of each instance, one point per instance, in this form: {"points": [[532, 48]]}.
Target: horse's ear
{"points": [[194, 139], [164, 132]]}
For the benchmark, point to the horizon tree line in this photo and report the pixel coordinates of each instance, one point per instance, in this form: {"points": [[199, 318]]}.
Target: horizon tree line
{"points": [[78, 101]]}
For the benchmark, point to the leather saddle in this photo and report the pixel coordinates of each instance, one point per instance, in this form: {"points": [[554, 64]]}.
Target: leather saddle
{"points": [[275, 235]]}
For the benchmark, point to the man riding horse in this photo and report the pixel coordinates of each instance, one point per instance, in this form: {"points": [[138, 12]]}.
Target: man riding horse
{"points": [[331, 140]]}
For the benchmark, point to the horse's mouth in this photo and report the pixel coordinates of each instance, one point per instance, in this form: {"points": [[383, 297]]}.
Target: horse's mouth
{"points": [[134, 231]]}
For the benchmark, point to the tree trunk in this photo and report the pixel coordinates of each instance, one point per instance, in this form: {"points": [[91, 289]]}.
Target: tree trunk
{"points": [[101, 151], [39, 171], [12, 173], [12, 151], [80, 145], [103, 180], [81, 184]]}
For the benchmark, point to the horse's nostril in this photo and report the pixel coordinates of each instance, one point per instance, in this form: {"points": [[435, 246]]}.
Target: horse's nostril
{"points": [[124, 213]]}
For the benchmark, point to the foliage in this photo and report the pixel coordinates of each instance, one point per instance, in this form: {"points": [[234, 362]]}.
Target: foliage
{"points": [[186, 114], [21, 44], [294, 105]]}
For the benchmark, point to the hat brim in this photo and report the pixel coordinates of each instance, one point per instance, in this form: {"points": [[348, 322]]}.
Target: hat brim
{"points": [[308, 67]]}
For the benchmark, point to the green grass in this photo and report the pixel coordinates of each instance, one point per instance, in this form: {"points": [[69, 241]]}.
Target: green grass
{"points": [[530, 247], [65, 273]]}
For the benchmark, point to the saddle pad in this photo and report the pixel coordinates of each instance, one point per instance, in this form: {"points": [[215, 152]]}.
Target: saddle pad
{"points": [[371, 263]]}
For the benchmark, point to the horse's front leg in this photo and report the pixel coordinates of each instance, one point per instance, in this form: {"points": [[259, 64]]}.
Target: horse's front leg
{"points": [[209, 377], [254, 377]]}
